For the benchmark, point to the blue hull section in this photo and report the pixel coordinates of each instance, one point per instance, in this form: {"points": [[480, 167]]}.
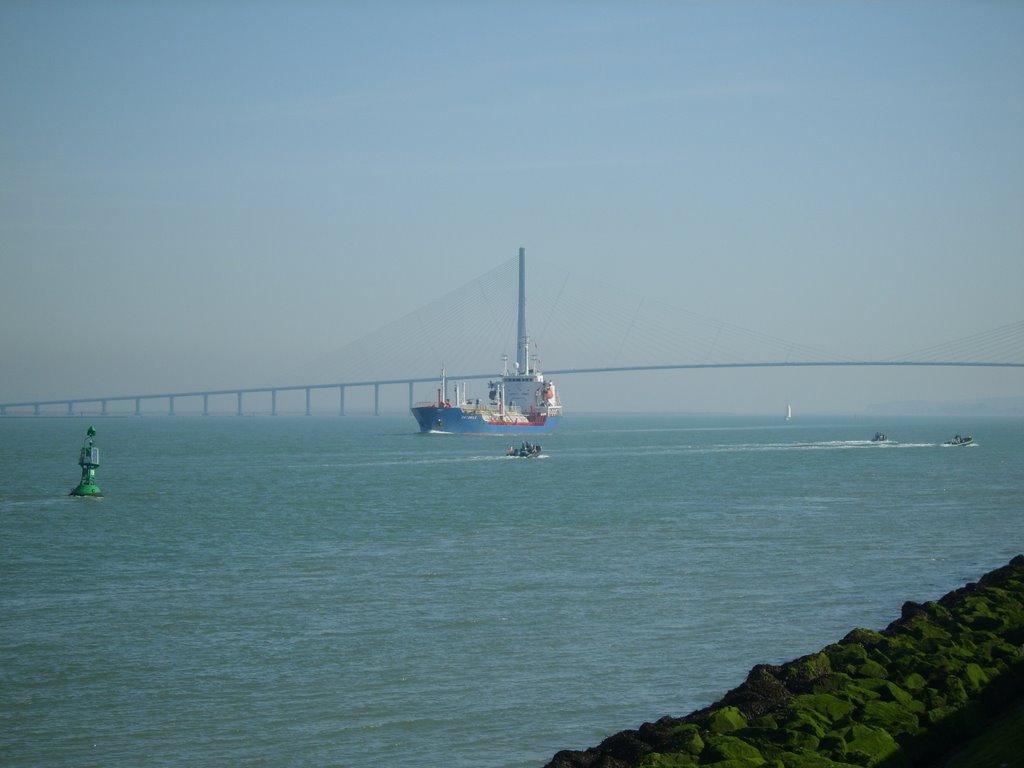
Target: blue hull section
{"points": [[455, 420]]}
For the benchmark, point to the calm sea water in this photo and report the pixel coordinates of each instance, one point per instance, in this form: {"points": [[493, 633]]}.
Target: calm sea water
{"points": [[345, 592]]}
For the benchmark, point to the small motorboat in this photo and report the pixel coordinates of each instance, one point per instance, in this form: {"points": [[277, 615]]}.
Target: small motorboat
{"points": [[524, 451], [879, 437], [958, 440]]}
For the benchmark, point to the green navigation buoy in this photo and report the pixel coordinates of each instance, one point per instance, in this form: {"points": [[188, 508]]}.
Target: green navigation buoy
{"points": [[89, 459]]}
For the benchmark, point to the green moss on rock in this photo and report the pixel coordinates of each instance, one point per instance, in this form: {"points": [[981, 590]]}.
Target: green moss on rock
{"points": [[875, 742], [719, 749], [871, 668], [846, 656], [779, 740], [868, 638], [682, 739], [915, 682], [976, 677], [808, 722], [725, 720], [670, 760], [905, 696], [890, 716], [887, 690], [811, 760], [806, 672], [825, 708], [765, 722]]}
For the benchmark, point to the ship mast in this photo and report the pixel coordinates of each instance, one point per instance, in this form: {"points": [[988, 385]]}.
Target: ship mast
{"points": [[522, 350]]}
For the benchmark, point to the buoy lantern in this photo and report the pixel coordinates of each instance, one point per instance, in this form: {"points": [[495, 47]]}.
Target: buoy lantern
{"points": [[88, 460]]}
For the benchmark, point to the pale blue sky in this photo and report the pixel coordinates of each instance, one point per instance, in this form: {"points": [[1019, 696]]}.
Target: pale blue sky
{"points": [[199, 195]]}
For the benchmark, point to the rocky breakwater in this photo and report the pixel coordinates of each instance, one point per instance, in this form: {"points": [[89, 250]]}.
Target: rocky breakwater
{"points": [[909, 695]]}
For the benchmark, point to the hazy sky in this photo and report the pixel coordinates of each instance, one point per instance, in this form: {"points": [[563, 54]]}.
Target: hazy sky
{"points": [[212, 194]]}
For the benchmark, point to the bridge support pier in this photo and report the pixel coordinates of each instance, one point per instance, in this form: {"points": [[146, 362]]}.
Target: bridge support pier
{"points": [[341, 400], [206, 403], [138, 406], [170, 408], [273, 402], [71, 408], [238, 410], [308, 412], [376, 399], [103, 407]]}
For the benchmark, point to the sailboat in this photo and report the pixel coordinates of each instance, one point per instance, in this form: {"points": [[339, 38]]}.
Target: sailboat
{"points": [[789, 412]]}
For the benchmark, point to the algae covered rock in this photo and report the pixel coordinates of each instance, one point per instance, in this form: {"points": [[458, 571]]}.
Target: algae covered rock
{"points": [[825, 708], [905, 696], [730, 751], [659, 760], [667, 736], [725, 720], [811, 760], [868, 744]]}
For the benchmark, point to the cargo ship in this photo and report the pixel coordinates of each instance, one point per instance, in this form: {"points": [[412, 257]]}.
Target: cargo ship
{"points": [[521, 401]]}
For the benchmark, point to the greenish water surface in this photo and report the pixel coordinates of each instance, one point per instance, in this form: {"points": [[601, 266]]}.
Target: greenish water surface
{"points": [[295, 591]]}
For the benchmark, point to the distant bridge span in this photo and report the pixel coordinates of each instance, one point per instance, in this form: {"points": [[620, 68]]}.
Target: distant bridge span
{"points": [[807, 364], [587, 323], [42, 407]]}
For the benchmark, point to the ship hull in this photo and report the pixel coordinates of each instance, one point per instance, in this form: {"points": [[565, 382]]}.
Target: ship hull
{"points": [[459, 421]]}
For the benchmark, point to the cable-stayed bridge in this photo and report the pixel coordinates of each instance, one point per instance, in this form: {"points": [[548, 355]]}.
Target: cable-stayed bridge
{"points": [[584, 326]]}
